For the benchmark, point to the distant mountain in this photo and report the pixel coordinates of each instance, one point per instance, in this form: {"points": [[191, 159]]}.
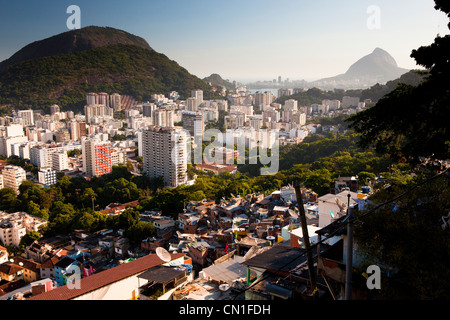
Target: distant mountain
{"points": [[217, 81], [62, 69], [376, 67], [374, 93]]}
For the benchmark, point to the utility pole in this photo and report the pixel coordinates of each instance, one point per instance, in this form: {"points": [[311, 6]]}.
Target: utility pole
{"points": [[310, 261], [349, 260]]}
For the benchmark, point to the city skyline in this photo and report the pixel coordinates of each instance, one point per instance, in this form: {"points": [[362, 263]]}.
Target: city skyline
{"points": [[244, 41]]}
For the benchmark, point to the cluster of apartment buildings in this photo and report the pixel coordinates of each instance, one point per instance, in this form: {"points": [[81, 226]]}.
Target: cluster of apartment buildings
{"points": [[165, 131]]}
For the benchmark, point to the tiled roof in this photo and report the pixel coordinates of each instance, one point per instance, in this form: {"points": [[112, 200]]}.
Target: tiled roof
{"points": [[27, 263], [9, 268], [104, 278], [50, 262]]}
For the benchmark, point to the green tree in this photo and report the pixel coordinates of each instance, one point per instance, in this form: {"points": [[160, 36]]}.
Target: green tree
{"points": [[34, 210], [139, 231], [406, 240], [28, 239], [8, 199], [88, 198]]}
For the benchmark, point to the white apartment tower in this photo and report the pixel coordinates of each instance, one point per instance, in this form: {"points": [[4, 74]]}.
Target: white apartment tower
{"points": [[92, 111], [198, 95], [13, 177], [115, 101], [291, 105], [165, 154], [91, 99], [163, 118], [47, 176], [27, 117], [60, 161]]}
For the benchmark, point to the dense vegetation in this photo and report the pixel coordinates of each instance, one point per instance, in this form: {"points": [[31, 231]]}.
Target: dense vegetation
{"points": [[66, 79], [407, 237], [72, 41], [218, 81]]}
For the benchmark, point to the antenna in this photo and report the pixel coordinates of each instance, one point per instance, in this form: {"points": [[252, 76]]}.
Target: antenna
{"points": [[163, 254]]}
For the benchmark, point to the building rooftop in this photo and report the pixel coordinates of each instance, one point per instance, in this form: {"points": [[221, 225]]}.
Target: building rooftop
{"points": [[104, 278], [278, 258], [227, 271], [161, 274]]}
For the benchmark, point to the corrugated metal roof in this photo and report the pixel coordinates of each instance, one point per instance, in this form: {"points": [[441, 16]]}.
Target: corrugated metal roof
{"points": [[227, 271]]}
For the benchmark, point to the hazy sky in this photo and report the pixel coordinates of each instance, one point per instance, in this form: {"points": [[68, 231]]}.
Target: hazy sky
{"points": [[244, 39]]}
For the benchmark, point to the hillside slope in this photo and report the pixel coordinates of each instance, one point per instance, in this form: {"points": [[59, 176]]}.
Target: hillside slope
{"points": [[97, 63]]}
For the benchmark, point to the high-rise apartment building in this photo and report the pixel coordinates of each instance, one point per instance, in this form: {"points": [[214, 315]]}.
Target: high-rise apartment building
{"points": [[264, 98], [74, 129], [115, 101], [27, 117], [163, 118], [96, 157], [54, 109], [349, 102], [148, 109], [92, 99], [164, 152], [103, 98], [13, 177], [284, 92], [291, 105], [193, 122], [198, 95], [47, 176], [41, 156], [191, 104], [60, 161], [92, 111]]}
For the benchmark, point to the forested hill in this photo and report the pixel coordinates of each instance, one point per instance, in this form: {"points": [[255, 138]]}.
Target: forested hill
{"points": [[128, 66], [74, 41]]}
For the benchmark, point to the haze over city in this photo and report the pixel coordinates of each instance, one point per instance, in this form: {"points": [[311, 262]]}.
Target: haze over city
{"points": [[243, 40]]}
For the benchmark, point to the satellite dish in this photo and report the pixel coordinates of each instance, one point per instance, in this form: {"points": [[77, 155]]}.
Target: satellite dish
{"points": [[341, 204], [293, 214], [163, 254], [224, 287], [11, 260], [21, 264]]}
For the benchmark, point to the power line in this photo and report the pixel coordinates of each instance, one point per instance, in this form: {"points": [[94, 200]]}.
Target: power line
{"points": [[346, 221]]}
